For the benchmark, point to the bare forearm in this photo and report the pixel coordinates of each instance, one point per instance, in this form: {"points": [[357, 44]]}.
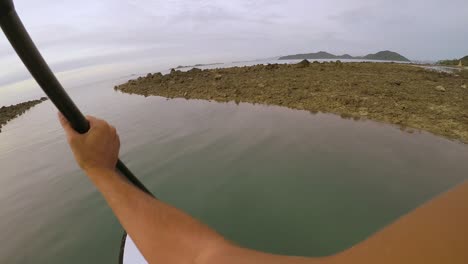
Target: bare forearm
{"points": [[436, 232], [163, 233]]}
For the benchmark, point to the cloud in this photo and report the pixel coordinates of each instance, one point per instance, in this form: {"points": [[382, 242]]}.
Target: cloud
{"points": [[420, 29], [70, 32]]}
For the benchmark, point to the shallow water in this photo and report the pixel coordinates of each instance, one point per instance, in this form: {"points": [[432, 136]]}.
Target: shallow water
{"points": [[270, 178]]}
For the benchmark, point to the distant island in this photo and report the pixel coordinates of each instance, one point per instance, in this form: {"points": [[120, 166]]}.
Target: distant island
{"points": [[382, 55], [455, 62], [197, 65]]}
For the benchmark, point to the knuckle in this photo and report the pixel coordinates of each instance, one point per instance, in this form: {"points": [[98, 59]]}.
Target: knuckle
{"points": [[109, 128], [101, 123], [72, 140]]}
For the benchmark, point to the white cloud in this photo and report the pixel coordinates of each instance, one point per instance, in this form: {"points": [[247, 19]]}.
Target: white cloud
{"points": [[71, 32]]}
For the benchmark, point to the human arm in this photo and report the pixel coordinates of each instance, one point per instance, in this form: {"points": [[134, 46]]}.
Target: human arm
{"points": [[436, 232], [162, 233]]}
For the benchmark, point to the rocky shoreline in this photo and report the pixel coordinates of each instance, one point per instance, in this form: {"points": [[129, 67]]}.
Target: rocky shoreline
{"points": [[8, 113], [408, 96]]}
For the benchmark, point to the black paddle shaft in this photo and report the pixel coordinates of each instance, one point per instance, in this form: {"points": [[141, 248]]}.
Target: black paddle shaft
{"points": [[32, 59]]}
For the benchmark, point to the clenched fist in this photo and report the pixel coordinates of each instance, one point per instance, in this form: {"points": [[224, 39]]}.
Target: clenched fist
{"points": [[98, 149]]}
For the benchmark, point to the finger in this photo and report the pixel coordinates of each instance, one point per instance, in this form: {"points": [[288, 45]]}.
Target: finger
{"points": [[113, 130], [66, 126], [93, 121], [115, 135], [118, 141]]}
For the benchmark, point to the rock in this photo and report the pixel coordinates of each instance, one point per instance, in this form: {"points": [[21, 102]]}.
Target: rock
{"points": [[149, 75], [194, 70], [272, 66], [440, 88], [463, 86], [8, 113], [173, 72], [303, 64], [261, 85], [363, 111], [396, 83], [218, 76]]}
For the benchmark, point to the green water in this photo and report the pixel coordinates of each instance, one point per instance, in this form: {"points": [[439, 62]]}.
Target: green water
{"points": [[268, 178]]}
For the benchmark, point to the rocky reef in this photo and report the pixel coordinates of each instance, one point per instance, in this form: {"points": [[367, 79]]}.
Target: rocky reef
{"points": [[401, 94]]}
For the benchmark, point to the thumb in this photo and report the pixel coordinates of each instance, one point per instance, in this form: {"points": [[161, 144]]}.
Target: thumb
{"points": [[66, 126]]}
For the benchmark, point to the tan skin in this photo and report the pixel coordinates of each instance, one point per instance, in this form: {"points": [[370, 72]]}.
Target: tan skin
{"points": [[436, 232]]}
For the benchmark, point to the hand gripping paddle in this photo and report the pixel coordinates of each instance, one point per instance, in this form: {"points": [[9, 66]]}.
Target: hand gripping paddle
{"points": [[32, 59]]}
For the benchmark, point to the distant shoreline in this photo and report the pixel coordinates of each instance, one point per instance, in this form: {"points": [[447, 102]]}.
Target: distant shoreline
{"points": [[198, 65], [322, 55], [401, 94], [355, 60]]}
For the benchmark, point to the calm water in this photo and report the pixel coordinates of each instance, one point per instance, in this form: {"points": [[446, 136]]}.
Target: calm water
{"points": [[268, 178]]}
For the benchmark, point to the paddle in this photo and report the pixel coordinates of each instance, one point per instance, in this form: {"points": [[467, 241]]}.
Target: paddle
{"points": [[24, 46], [32, 59]]}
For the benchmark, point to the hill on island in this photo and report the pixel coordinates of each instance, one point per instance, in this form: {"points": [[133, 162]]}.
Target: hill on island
{"points": [[382, 55], [454, 62]]}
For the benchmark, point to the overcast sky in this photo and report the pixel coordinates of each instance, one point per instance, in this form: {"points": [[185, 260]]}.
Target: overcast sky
{"points": [[74, 34]]}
